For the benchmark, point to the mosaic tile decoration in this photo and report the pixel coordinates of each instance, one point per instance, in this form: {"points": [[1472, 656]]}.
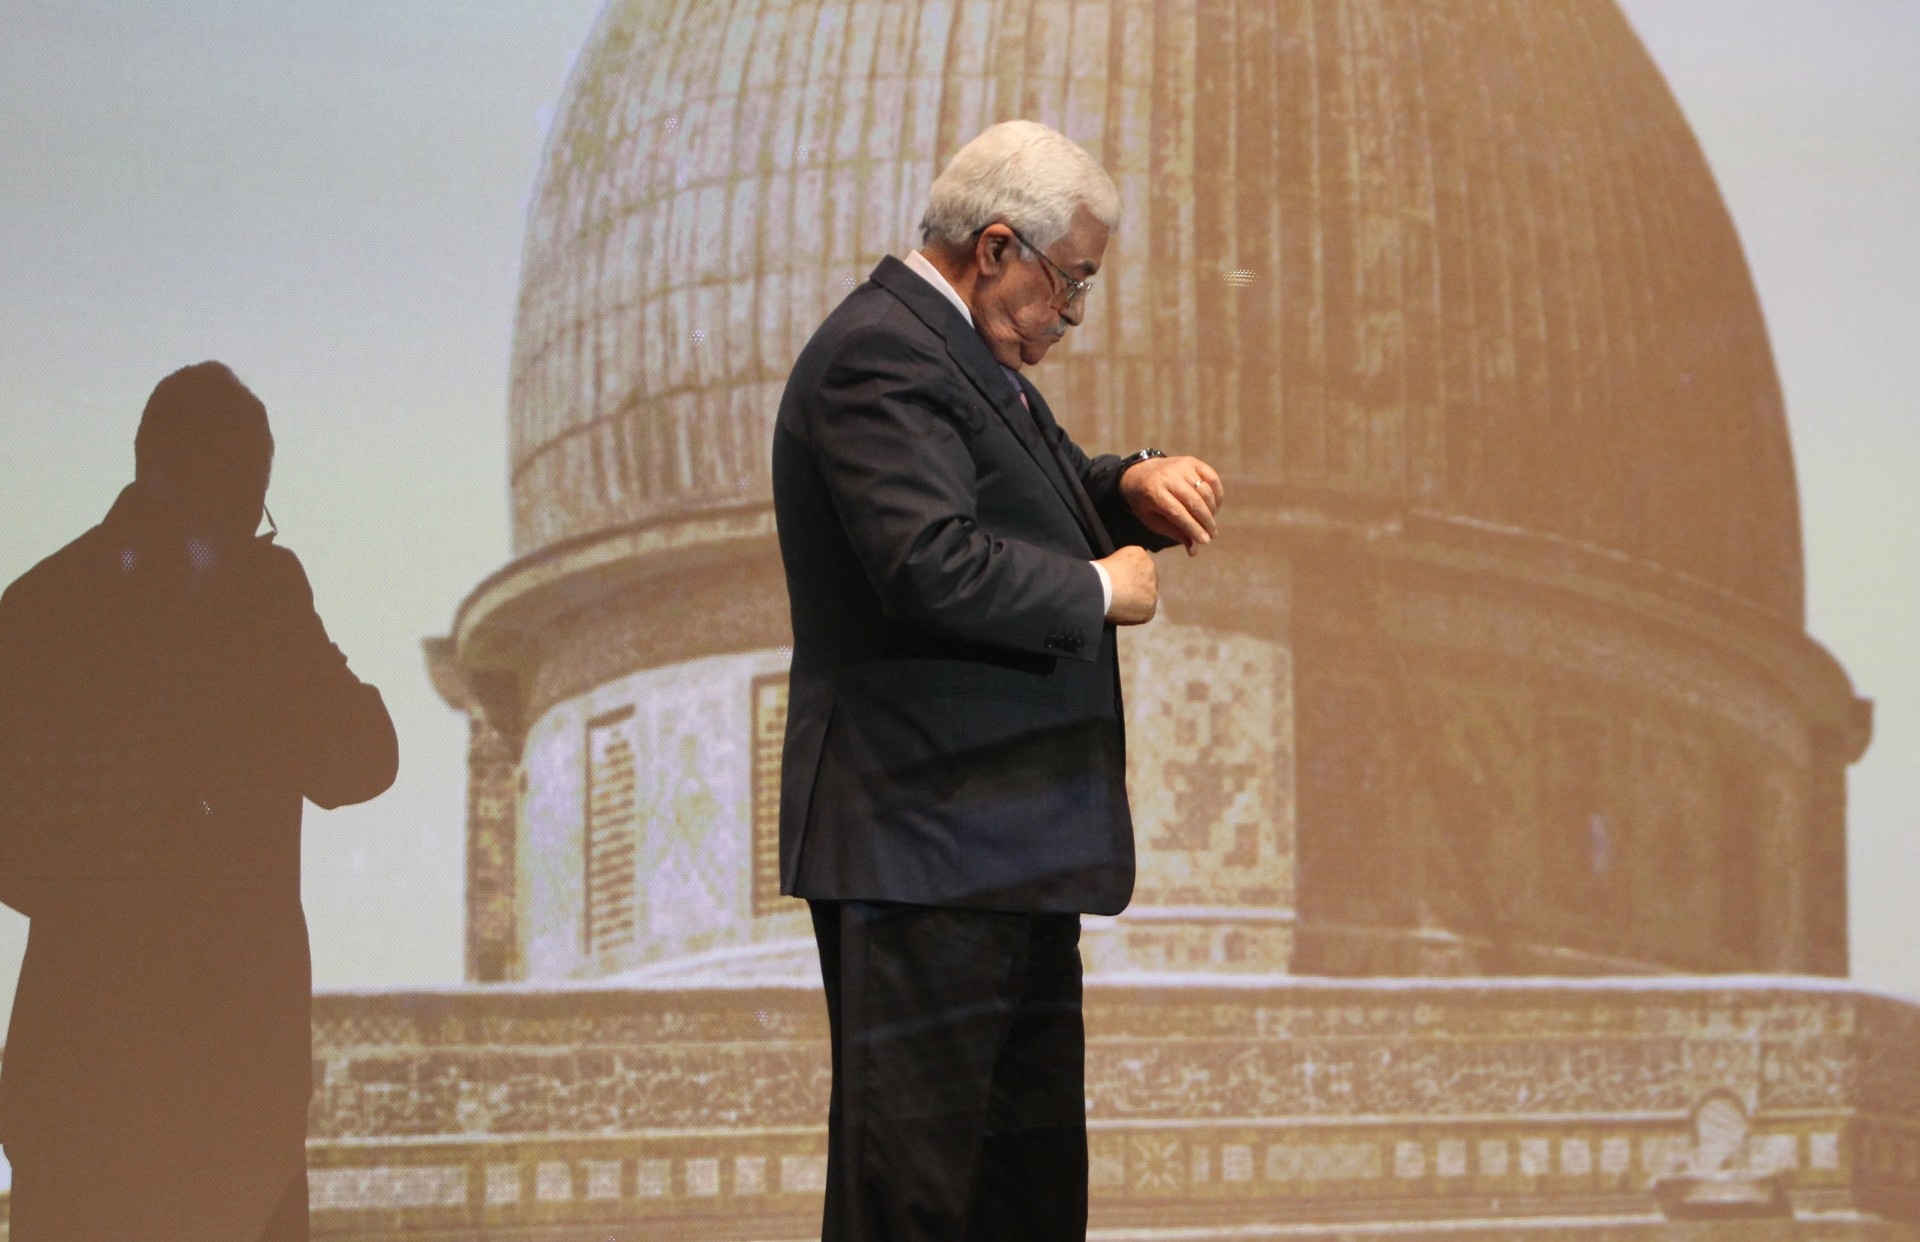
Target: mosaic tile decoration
{"points": [[1213, 1104]]}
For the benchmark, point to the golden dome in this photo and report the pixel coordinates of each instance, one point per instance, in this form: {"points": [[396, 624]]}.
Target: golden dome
{"points": [[1459, 258]]}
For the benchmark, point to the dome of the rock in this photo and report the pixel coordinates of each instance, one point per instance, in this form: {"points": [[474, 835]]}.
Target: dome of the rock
{"points": [[1463, 259], [1499, 665]]}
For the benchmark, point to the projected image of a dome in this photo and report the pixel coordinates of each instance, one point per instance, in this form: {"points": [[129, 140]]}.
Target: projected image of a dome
{"points": [[1497, 677], [1501, 666]]}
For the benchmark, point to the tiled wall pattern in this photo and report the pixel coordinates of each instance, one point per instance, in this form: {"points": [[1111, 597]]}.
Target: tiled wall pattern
{"points": [[663, 761], [1540, 1109], [669, 779], [1210, 779], [1210, 1105], [769, 741], [493, 801]]}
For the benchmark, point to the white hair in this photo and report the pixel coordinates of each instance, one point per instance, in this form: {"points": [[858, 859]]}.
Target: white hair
{"points": [[1023, 174]]}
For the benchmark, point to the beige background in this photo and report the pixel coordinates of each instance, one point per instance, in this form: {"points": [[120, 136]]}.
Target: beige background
{"points": [[331, 197]]}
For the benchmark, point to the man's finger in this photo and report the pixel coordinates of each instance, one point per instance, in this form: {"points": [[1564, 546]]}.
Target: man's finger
{"points": [[1177, 523], [1212, 477], [1206, 492], [1192, 518], [1199, 506], [1209, 476], [1198, 475]]}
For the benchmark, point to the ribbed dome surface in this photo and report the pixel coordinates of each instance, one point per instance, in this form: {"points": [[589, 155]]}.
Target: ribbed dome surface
{"points": [[1462, 256]]}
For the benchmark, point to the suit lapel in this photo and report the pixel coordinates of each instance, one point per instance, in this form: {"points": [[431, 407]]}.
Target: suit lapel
{"points": [[1042, 416], [999, 391], [971, 355]]}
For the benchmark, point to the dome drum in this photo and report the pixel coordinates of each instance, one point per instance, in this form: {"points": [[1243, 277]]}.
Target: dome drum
{"points": [[1506, 753]]}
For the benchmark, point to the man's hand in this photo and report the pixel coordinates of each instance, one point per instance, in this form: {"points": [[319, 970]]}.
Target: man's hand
{"points": [[1176, 497], [1136, 585]]}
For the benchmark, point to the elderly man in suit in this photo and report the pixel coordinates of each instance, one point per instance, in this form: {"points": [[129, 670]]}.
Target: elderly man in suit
{"points": [[953, 793], [167, 698]]}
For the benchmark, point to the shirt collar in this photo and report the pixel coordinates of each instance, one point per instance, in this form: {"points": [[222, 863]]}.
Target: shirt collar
{"points": [[926, 271]]}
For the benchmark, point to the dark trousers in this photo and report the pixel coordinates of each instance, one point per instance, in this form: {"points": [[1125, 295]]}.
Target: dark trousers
{"points": [[958, 1111]]}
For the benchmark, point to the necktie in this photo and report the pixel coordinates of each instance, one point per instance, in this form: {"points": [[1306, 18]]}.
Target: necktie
{"points": [[1013, 377]]}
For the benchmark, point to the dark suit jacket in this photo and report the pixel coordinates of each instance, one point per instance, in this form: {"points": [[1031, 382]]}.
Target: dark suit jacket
{"points": [[158, 730], [954, 731]]}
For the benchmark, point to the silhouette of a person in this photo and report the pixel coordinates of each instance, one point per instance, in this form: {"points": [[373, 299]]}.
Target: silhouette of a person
{"points": [[167, 698]]}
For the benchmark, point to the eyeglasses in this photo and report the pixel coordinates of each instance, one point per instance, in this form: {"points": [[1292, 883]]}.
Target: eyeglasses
{"points": [[1076, 289]]}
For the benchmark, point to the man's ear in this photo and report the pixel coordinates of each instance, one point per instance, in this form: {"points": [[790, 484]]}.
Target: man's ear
{"points": [[990, 249]]}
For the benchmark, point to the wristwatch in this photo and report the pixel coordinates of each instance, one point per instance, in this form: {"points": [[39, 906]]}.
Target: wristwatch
{"points": [[1134, 459]]}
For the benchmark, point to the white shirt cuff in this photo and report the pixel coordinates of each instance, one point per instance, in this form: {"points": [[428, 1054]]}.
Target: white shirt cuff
{"points": [[1106, 587]]}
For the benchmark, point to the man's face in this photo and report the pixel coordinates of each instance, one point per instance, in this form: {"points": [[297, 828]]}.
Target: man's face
{"points": [[1020, 305]]}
